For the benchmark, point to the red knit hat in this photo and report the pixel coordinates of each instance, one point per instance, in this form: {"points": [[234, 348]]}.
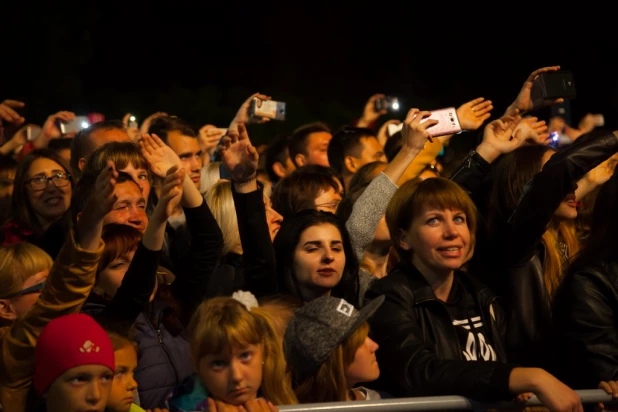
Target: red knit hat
{"points": [[67, 342]]}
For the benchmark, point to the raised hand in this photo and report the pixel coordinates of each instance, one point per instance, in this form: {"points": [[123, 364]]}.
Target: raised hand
{"points": [[90, 222], [524, 102], [498, 138], [8, 112], [238, 154], [370, 114], [473, 114], [133, 132], [209, 138], [160, 156], [171, 194], [146, 123], [414, 133], [383, 134], [533, 130], [50, 130], [242, 116]]}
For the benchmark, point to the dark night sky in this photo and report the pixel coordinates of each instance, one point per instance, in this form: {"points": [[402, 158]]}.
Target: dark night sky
{"points": [[324, 59]]}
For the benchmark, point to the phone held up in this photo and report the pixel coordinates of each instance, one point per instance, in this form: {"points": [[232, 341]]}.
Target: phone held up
{"points": [[448, 123], [387, 103], [553, 85], [75, 125], [270, 109]]}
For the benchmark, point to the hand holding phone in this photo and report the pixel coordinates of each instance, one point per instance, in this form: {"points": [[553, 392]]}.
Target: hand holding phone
{"points": [[75, 125], [269, 109], [389, 103], [551, 86]]}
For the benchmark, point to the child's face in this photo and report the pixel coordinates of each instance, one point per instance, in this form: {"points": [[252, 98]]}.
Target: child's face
{"points": [[124, 385], [80, 389], [233, 377]]}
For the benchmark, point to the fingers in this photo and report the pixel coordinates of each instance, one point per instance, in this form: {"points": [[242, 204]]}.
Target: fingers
{"points": [[476, 101], [242, 132], [212, 407], [14, 104], [485, 117], [125, 119], [157, 141], [64, 116], [483, 108], [272, 407], [535, 73], [411, 115]]}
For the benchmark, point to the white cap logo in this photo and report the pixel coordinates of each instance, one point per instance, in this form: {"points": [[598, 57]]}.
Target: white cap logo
{"points": [[88, 347], [345, 308]]}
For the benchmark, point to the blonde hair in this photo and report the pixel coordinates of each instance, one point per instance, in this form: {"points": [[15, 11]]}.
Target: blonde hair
{"points": [[281, 310], [221, 203], [553, 269], [415, 195], [223, 323], [210, 176], [328, 383], [18, 262]]}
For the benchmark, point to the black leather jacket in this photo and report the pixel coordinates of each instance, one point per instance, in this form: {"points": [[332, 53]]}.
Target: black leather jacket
{"points": [[419, 350], [512, 262], [586, 326]]}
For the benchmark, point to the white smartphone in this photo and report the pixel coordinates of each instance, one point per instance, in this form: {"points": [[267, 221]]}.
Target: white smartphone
{"points": [[75, 125], [448, 123]]}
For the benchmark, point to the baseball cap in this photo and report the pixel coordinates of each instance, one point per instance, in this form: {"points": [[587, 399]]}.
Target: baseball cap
{"points": [[319, 327]]}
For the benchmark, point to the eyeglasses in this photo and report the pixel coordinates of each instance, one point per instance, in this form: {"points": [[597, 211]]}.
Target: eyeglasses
{"points": [[41, 182], [32, 289]]}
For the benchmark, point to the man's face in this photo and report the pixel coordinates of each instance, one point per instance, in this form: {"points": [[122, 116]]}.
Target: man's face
{"points": [[317, 149], [368, 152], [188, 149]]}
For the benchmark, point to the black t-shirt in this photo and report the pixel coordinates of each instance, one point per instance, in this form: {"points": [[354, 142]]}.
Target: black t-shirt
{"points": [[471, 333]]}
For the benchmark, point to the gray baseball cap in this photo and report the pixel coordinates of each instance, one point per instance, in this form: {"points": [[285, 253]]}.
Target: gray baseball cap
{"points": [[319, 327]]}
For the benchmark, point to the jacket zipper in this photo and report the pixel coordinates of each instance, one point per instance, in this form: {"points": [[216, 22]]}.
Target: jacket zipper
{"points": [[160, 336]]}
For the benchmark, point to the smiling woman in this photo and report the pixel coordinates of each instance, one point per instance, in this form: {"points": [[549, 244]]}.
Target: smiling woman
{"points": [[42, 195]]}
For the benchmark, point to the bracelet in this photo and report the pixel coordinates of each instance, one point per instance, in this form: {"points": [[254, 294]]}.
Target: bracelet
{"points": [[244, 182]]}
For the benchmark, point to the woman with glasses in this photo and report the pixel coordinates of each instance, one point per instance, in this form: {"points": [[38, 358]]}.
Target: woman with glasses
{"points": [[42, 195]]}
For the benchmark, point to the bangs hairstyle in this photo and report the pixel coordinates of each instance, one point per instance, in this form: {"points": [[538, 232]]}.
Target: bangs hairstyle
{"points": [[119, 240], [223, 323], [18, 262], [328, 383], [414, 196], [122, 154]]}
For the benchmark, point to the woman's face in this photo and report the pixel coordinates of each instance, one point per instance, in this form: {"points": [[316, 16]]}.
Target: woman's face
{"points": [[568, 207], [48, 201], [438, 238], [364, 367], [319, 258], [233, 376], [141, 178]]}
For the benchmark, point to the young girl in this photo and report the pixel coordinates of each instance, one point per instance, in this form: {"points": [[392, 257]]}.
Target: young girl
{"points": [[235, 350], [329, 352], [124, 386]]}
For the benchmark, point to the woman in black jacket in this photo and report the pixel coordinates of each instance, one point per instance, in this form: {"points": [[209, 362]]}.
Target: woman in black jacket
{"points": [[440, 331], [585, 328]]}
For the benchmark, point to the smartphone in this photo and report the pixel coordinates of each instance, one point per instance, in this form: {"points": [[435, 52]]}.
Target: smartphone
{"points": [[553, 85], [448, 123], [270, 109], [387, 103], [132, 123], [75, 125], [32, 132]]}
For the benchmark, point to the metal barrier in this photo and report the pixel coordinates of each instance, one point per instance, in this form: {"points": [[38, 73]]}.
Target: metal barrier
{"points": [[433, 403]]}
